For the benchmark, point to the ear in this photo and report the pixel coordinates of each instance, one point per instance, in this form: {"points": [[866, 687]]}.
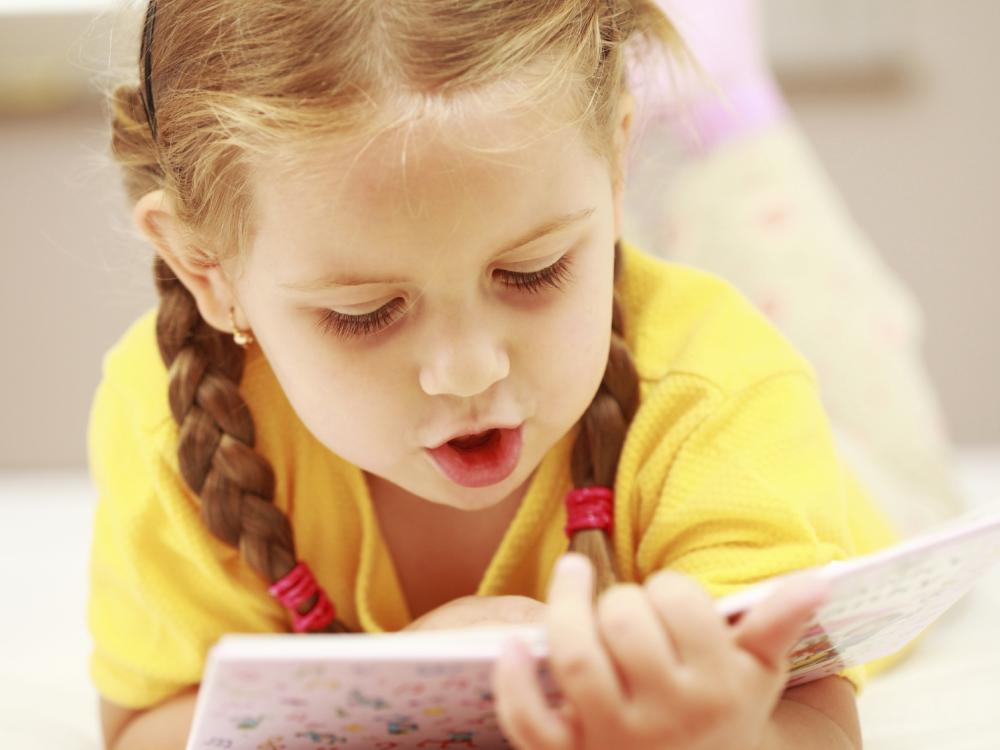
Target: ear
{"points": [[623, 133], [154, 216]]}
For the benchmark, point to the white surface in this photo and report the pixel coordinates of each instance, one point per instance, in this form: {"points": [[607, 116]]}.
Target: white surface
{"points": [[45, 696], [945, 695]]}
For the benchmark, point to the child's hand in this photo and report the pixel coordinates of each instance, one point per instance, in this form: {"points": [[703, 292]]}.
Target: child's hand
{"points": [[481, 611], [653, 667]]}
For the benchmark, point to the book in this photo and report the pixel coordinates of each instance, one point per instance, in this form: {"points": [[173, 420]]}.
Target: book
{"points": [[431, 689]]}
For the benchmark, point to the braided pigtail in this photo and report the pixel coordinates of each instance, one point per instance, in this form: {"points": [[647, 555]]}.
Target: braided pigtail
{"points": [[215, 445], [605, 423], [603, 426], [215, 450]]}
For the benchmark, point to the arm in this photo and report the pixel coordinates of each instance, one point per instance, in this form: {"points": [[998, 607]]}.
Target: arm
{"points": [[822, 715], [481, 611], [165, 726]]}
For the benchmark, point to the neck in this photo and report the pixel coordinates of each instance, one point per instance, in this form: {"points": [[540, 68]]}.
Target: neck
{"points": [[392, 501]]}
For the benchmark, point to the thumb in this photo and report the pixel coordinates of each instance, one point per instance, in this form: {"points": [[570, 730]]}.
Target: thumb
{"points": [[770, 628]]}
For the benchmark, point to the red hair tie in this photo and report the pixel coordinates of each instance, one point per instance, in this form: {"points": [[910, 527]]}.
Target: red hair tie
{"points": [[295, 588], [589, 508]]}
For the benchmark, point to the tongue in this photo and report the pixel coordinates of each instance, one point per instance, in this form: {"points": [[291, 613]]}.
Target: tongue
{"points": [[472, 441]]}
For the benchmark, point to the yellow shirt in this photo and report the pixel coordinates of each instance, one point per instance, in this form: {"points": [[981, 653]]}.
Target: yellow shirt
{"points": [[729, 473]]}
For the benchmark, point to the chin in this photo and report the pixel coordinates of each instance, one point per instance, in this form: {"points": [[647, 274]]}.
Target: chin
{"points": [[483, 498], [473, 499]]}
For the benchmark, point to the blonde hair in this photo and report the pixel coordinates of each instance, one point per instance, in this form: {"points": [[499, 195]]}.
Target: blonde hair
{"points": [[229, 82]]}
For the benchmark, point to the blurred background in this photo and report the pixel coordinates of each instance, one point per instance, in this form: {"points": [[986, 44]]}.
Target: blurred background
{"points": [[898, 97]]}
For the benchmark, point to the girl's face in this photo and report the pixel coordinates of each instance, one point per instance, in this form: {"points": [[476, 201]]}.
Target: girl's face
{"points": [[440, 280]]}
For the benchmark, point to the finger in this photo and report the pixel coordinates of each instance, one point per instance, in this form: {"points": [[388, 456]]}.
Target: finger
{"points": [[770, 629], [639, 646], [688, 614], [581, 666], [522, 710]]}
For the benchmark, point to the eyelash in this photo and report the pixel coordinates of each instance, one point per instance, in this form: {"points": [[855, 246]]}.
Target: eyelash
{"points": [[351, 326]]}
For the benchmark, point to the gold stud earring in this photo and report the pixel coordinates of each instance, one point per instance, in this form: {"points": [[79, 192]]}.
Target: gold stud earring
{"points": [[241, 336]]}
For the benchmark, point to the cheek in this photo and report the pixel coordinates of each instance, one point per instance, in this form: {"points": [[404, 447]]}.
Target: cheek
{"points": [[343, 400], [574, 346]]}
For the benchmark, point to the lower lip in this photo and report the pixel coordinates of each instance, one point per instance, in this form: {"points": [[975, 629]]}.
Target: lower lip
{"points": [[483, 466]]}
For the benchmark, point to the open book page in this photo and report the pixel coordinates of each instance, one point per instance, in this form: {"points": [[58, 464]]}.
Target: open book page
{"points": [[880, 602], [432, 689]]}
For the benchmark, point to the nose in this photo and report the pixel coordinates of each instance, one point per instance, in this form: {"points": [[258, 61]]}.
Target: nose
{"points": [[464, 358]]}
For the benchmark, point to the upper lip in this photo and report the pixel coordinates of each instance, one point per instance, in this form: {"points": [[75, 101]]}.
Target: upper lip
{"points": [[475, 430]]}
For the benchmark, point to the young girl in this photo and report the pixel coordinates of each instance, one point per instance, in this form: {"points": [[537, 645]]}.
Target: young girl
{"points": [[403, 360]]}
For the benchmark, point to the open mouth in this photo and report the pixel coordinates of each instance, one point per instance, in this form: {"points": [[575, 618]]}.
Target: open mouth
{"points": [[473, 441], [479, 460]]}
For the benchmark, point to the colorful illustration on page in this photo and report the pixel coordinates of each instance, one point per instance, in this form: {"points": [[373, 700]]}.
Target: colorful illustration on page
{"points": [[370, 706]]}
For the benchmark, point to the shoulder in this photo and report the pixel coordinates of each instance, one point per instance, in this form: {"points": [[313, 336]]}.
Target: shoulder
{"points": [[708, 363], [134, 375], [132, 439], [685, 322], [730, 447]]}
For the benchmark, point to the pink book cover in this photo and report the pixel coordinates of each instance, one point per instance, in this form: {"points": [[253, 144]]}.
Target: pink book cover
{"points": [[431, 689]]}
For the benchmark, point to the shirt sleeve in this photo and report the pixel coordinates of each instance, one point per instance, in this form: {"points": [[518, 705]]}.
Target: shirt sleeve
{"points": [[162, 590], [755, 490]]}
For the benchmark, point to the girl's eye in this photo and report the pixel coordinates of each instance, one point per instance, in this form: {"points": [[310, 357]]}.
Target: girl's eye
{"points": [[554, 276], [353, 326]]}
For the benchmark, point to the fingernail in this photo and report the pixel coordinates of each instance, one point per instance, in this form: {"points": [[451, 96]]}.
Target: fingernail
{"points": [[572, 563]]}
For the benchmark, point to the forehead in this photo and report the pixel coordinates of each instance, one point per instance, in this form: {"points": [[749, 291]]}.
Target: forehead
{"points": [[430, 181]]}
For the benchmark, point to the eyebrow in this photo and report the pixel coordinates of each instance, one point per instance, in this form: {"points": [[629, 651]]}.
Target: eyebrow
{"points": [[340, 279]]}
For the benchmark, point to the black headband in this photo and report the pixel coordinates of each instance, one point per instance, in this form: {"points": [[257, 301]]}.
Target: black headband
{"points": [[146, 65]]}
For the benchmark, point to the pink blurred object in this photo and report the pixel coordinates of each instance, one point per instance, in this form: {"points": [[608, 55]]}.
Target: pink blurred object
{"points": [[739, 95]]}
